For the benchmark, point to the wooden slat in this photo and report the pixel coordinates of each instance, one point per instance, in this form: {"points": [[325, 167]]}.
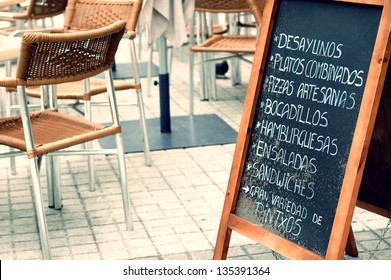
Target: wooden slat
{"points": [[272, 241]]}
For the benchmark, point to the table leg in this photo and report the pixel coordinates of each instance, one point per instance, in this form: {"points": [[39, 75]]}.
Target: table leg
{"points": [[164, 87]]}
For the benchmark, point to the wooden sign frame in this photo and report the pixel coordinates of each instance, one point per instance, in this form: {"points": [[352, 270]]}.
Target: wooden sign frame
{"points": [[356, 159], [375, 191]]}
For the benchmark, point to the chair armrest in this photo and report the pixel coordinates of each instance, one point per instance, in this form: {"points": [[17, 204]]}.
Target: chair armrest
{"points": [[131, 34], [20, 32], [58, 30], [8, 82]]}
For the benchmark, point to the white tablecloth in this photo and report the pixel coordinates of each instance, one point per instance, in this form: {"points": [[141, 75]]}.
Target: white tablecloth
{"points": [[166, 18]]}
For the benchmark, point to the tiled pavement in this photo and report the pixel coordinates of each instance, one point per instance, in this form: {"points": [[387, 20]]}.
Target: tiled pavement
{"points": [[176, 203]]}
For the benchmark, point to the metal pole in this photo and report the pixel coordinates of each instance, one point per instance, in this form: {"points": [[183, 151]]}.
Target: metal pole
{"points": [[164, 87]]}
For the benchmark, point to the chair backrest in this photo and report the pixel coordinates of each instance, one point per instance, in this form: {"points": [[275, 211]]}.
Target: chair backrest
{"points": [[59, 58], [222, 6], [233, 6], [92, 14], [38, 9]]}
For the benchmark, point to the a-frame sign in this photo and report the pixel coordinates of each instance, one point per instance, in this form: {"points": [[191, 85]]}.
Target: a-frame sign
{"points": [[307, 122]]}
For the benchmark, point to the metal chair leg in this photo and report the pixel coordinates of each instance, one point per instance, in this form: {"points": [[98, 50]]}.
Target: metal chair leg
{"points": [[8, 68], [124, 183], [191, 83], [88, 145], [149, 71], [236, 76], [50, 181], [143, 126], [120, 152], [140, 102], [53, 178], [43, 231], [212, 77]]}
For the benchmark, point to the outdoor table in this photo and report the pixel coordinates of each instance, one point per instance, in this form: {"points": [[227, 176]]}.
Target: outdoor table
{"points": [[9, 47], [6, 3], [166, 21]]}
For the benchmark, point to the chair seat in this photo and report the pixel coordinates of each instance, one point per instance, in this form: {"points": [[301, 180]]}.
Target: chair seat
{"points": [[75, 90], [52, 131], [216, 29], [227, 43]]}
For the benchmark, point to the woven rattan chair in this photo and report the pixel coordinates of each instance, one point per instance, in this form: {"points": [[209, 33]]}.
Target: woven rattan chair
{"points": [[231, 45], [24, 18], [91, 14], [35, 10], [220, 28], [50, 59]]}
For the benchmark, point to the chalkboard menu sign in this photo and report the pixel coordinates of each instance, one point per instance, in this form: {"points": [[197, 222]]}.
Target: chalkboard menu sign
{"points": [[298, 133], [305, 119]]}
